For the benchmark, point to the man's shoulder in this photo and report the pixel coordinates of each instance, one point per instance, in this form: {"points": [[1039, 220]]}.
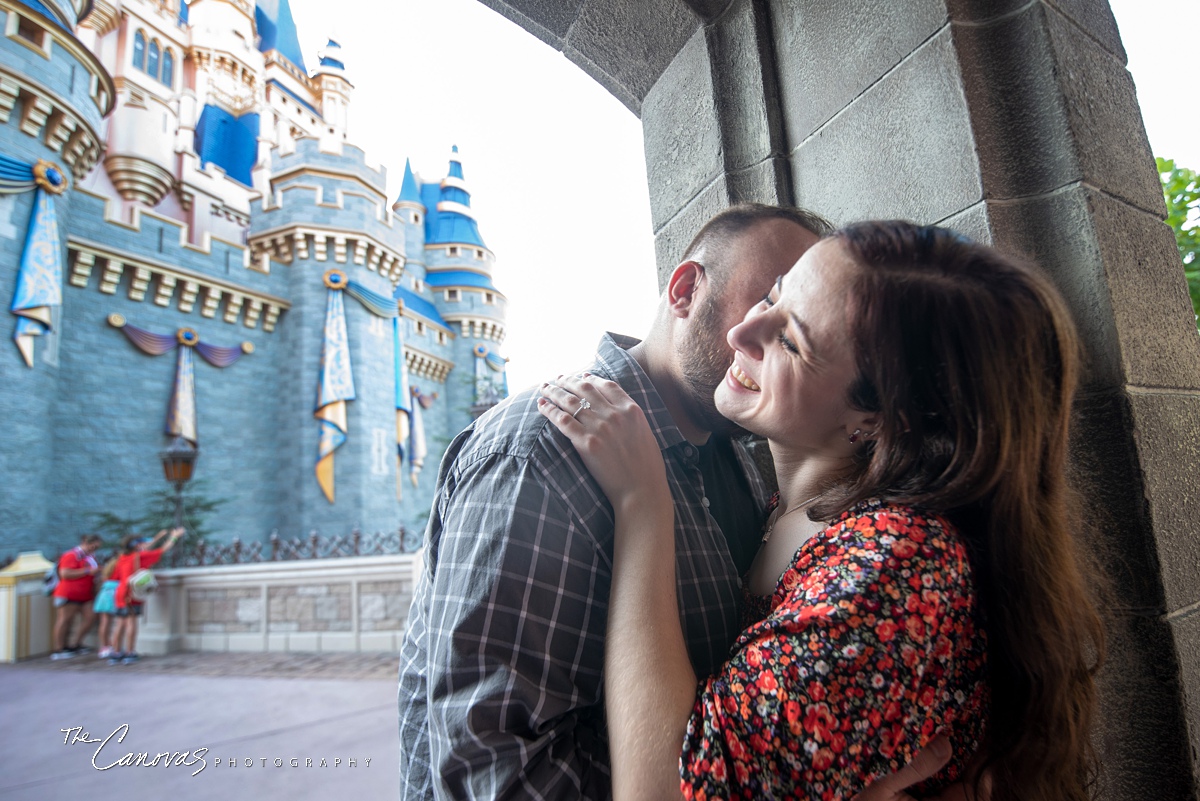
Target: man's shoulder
{"points": [[512, 428]]}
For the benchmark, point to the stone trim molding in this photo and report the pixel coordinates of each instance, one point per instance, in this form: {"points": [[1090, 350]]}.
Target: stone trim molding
{"points": [[86, 257], [139, 179], [312, 242], [479, 327], [104, 18], [426, 365], [47, 116]]}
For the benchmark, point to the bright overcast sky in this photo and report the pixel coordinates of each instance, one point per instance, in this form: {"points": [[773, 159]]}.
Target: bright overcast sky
{"points": [[555, 163]]}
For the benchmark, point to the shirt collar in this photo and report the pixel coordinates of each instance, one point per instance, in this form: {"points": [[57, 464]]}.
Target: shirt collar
{"points": [[614, 362]]}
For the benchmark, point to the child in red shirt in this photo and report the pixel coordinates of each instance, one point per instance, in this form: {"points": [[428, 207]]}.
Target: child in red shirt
{"points": [[137, 553]]}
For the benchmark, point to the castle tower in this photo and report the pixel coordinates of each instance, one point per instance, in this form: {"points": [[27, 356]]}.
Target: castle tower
{"points": [[145, 49], [326, 223], [334, 91], [459, 271], [452, 315]]}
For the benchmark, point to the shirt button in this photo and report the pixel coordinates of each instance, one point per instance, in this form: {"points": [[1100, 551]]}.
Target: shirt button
{"points": [[689, 451], [705, 502]]}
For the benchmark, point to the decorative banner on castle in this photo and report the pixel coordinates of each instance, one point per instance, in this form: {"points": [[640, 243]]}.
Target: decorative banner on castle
{"points": [[417, 449], [335, 384], [403, 403], [39, 278], [491, 379], [181, 411]]}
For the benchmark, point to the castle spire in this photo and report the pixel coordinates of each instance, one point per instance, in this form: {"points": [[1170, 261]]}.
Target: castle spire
{"points": [[410, 192], [277, 30], [331, 57], [450, 218]]}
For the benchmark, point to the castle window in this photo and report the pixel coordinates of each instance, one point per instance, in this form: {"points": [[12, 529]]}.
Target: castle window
{"points": [[479, 254], [420, 327], [168, 69], [139, 50], [451, 294], [29, 31], [488, 297], [441, 337], [451, 251], [416, 217], [152, 59]]}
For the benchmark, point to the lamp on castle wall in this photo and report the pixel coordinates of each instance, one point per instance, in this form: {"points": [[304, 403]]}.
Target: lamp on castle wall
{"points": [[178, 460]]}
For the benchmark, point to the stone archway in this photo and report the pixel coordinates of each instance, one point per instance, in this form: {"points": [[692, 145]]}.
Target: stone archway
{"points": [[1017, 124]]}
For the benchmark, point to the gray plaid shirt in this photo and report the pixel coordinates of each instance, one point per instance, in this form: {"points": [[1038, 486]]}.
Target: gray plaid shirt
{"points": [[500, 670]]}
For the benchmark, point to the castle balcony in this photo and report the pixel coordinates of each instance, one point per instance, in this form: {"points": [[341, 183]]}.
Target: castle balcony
{"points": [[299, 241], [425, 365]]}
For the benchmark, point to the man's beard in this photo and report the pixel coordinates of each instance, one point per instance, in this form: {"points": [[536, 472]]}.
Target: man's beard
{"points": [[704, 360]]}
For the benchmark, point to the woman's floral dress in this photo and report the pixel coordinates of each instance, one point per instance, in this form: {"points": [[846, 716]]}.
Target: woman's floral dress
{"points": [[871, 648]]}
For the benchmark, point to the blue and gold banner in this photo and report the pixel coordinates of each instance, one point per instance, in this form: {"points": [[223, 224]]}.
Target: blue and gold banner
{"points": [[39, 277], [403, 403], [335, 385], [181, 410]]}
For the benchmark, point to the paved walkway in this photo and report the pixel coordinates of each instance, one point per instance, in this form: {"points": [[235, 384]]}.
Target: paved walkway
{"points": [[298, 719]]}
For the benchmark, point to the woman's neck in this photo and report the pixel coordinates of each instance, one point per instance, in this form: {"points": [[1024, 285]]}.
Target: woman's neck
{"points": [[804, 476]]}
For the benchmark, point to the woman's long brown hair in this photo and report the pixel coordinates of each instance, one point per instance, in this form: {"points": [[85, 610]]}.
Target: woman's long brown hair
{"points": [[970, 360]]}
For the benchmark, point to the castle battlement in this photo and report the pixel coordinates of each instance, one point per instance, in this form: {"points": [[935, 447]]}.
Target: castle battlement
{"points": [[311, 154]]}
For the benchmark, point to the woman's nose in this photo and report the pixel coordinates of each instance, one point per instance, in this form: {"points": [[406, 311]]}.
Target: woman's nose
{"points": [[745, 336]]}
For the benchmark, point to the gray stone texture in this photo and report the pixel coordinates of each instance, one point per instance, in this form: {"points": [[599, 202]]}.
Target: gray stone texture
{"points": [[1118, 269], [627, 44], [681, 133], [1141, 736], [1166, 428], [1052, 116], [830, 53], [623, 44], [903, 148]]}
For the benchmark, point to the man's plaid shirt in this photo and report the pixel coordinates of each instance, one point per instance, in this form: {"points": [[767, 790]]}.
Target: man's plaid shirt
{"points": [[500, 672]]}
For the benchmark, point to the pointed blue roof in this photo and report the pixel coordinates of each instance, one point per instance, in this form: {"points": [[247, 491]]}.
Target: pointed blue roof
{"points": [[409, 192], [443, 225], [277, 30], [332, 56], [419, 305]]}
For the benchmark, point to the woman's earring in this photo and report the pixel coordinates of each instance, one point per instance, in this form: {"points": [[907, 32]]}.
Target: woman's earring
{"points": [[854, 436]]}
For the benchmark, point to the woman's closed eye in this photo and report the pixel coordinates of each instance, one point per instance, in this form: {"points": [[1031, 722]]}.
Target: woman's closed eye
{"points": [[787, 344]]}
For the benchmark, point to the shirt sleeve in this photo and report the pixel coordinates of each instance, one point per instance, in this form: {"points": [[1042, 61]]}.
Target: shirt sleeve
{"points": [[872, 652], [515, 639]]}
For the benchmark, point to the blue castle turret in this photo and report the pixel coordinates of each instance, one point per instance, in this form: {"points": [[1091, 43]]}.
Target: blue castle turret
{"points": [[452, 315]]}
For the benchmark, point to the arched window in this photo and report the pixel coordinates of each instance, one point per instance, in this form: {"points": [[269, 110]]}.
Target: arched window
{"points": [[152, 60], [139, 50], [168, 71]]}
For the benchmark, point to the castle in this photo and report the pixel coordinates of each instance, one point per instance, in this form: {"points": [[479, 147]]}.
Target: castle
{"points": [[175, 182]]}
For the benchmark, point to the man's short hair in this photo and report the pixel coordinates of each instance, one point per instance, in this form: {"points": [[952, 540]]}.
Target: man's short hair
{"points": [[88, 539], [735, 220], [716, 235]]}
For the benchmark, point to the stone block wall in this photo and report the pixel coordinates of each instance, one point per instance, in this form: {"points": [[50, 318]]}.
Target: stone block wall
{"points": [[347, 604], [311, 607], [235, 610], [383, 605]]}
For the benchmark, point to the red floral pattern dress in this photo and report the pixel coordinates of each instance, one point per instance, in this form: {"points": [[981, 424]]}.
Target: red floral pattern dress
{"points": [[871, 648]]}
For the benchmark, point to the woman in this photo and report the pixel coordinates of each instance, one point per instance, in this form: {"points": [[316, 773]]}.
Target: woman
{"points": [[137, 553], [915, 390]]}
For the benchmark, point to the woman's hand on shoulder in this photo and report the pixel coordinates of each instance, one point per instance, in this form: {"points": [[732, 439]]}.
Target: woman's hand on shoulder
{"points": [[612, 436]]}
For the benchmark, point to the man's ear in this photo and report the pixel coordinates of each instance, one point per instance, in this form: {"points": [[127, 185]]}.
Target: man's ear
{"points": [[681, 287]]}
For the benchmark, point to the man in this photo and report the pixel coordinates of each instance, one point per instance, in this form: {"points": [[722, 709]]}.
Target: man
{"points": [[74, 593], [500, 690]]}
